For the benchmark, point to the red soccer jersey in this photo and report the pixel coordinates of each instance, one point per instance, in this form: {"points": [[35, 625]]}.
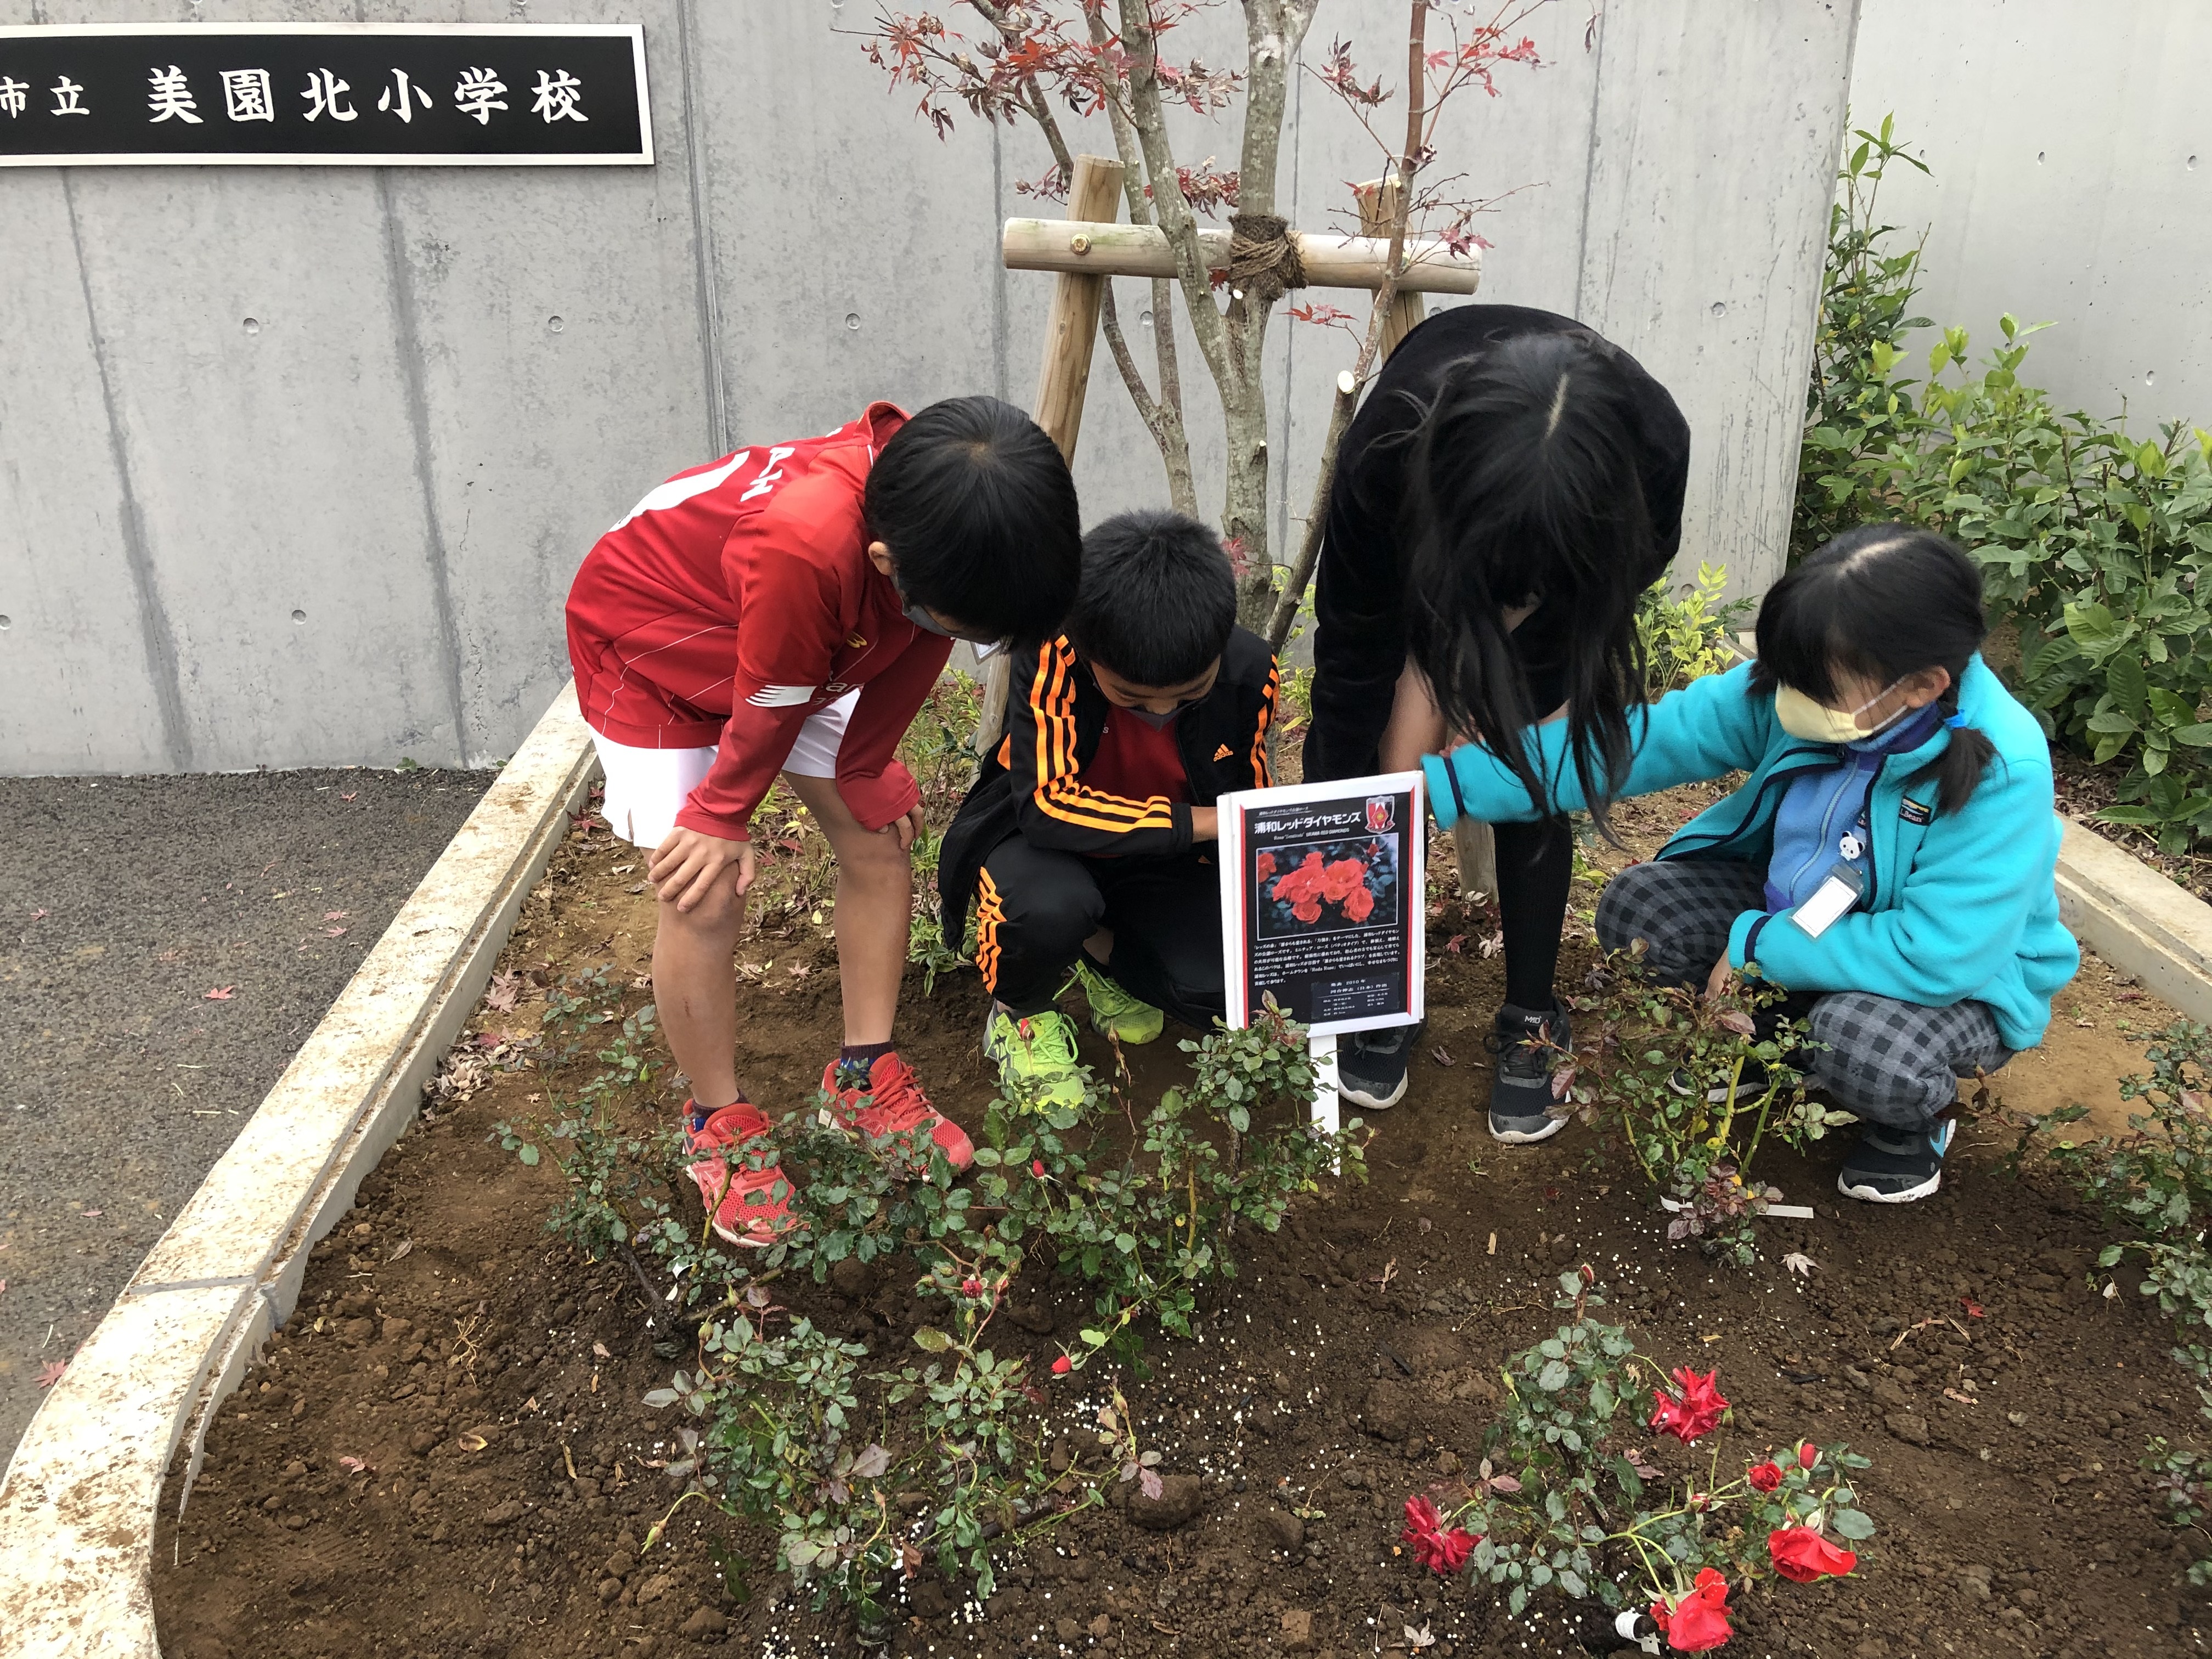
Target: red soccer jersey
{"points": [[737, 598]]}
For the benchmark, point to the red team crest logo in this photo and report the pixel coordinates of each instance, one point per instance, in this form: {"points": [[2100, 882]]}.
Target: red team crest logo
{"points": [[1382, 812]]}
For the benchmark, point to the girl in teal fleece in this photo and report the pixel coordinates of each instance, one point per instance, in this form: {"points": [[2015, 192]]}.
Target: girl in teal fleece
{"points": [[1888, 861]]}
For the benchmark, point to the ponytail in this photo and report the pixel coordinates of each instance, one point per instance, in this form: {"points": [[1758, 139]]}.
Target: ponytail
{"points": [[1958, 770]]}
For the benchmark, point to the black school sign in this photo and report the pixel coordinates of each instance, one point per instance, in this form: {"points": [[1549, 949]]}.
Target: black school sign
{"points": [[365, 95]]}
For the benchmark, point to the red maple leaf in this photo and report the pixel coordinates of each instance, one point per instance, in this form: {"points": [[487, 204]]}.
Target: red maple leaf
{"points": [[50, 1372], [220, 993]]}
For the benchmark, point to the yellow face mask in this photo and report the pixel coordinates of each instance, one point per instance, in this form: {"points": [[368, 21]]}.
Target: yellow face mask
{"points": [[1815, 722]]}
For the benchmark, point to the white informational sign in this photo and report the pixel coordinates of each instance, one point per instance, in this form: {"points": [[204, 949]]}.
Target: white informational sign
{"points": [[1323, 907]]}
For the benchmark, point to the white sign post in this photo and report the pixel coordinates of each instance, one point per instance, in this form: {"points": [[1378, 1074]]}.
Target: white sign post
{"points": [[1323, 910]]}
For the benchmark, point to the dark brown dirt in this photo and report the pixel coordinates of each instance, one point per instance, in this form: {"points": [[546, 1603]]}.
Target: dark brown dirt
{"points": [[445, 1451]]}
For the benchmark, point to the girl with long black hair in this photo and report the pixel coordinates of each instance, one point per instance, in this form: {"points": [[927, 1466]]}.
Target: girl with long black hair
{"points": [[1888, 860], [1512, 485]]}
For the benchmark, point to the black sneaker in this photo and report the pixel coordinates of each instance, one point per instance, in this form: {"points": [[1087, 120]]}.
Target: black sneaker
{"points": [[1520, 1085], [1895, 1166], [1370, 1065]]}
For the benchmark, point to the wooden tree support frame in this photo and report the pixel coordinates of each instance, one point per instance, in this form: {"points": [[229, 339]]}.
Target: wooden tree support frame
{"points": [[1118, 250], [1090, 247]]}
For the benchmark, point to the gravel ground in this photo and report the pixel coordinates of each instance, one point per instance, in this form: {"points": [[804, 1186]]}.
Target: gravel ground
{"points": [[166, 944]]}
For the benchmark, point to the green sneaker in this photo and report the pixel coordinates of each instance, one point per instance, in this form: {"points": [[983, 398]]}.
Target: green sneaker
{"points": [[1036, 1059], [1114, 1012]]}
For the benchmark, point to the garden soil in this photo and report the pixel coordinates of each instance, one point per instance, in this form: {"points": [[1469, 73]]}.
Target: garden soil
{"points": [[445, 1452]]}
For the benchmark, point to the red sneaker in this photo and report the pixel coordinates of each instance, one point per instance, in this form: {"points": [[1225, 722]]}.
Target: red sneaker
{"points": [[749, 1205], [893, 1104]]}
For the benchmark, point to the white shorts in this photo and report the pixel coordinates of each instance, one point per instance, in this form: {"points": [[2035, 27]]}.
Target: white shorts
{"points": [[647, 787]]}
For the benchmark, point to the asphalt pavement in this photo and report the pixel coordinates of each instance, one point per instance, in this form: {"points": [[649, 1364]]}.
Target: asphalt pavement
{"points": [[166, 944]]}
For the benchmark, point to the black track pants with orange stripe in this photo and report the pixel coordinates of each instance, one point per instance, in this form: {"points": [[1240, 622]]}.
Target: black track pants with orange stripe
{"points": [[1037, 907]]}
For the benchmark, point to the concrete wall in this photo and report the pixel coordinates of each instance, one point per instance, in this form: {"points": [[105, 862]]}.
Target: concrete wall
{"points": [[295, 463], [2072, 166]]}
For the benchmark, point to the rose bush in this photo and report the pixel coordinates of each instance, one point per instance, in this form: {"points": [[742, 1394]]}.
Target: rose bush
{"points": [[1562, 1504], [1696, 1085], [814, 1435]]}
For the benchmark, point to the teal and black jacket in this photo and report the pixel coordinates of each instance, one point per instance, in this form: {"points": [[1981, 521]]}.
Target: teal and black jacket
{"points": [[1957, 906]]}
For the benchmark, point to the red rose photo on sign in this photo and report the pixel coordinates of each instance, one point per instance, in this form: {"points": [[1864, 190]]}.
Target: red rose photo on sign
{"points": [[1337, 884]]}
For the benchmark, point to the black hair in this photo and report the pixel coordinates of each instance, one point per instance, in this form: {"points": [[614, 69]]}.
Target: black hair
{"points": [[1880, 602], [979, 511], [1158, 598], [1522, 483]]}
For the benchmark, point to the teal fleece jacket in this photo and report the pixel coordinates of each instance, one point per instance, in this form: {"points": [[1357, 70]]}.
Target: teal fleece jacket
{"points": [[1959, 906]]}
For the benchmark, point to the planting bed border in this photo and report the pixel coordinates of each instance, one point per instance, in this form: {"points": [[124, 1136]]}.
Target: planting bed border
{"points": [[77, 1501], [2136, 919]]}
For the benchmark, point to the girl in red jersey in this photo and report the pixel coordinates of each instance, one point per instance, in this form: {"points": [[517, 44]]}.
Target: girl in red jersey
{"points": [[785, 610]]}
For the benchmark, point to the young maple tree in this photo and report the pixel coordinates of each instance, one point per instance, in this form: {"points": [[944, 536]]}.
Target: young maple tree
{"points": [[1035, 59]]}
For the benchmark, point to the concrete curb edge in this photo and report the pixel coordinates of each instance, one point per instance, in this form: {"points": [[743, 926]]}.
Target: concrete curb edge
{"points": [[78, 1497], [2138, 920]]}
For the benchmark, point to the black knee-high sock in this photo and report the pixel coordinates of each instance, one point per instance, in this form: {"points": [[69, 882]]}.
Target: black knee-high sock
{"points": [[1535, 865]]}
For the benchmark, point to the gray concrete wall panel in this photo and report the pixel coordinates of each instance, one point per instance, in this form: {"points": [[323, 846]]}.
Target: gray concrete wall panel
{"points": [[856, 256], [248, 326], [2072, 183], [87, 666], [407, 449], [1705, 228]]}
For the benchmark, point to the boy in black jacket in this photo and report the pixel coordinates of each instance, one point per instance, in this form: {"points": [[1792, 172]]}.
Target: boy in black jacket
{"points": [[1086, 844]]}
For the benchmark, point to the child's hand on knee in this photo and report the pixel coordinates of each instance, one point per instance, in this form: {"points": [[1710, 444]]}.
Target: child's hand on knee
{"points": [[686, 865], [907, 826]]}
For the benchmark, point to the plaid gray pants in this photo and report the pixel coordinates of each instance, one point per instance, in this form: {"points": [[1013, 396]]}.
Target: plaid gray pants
{"points": [[1890, 1062]]}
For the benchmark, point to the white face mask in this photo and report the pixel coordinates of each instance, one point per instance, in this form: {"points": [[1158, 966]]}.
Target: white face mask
{"points": [[1815, 722]]}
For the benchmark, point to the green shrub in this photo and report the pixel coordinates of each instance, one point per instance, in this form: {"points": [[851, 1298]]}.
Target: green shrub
{"points": [[2091, 540], [1687, 638]]}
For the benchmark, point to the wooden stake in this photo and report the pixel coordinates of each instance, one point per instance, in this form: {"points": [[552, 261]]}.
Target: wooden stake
{"points": [[1071, 330], [1094, 195], [1378, 201]]}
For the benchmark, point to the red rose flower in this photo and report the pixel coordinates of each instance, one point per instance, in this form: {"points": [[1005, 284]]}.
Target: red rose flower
{"points": [[1358, 905], [971, 1287], [1438, 1549], [1764, 1477], [1307, 909], [1695, 1413], [1036, 1168], [1808, 1454], [1339, 880], [1801, 1554], [1061, 1366], [1697, 1622], [1264, 866]]}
